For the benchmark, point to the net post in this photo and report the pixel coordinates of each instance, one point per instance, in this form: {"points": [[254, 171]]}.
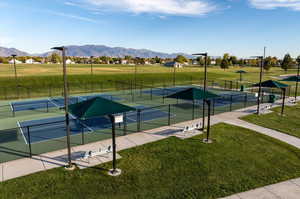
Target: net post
{"points": [[29, 141], [169, 115], [124, 124], [13, 110]]}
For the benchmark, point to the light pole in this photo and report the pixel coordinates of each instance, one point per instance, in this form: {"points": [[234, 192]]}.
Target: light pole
{"points": [[260, 80], [205, 85], [66, 100], [91, 64], [15, 68]]}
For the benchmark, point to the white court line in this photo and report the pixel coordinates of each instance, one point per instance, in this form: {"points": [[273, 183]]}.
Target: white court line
{"points": [[18, 123], [50, 100], [74, 118]]}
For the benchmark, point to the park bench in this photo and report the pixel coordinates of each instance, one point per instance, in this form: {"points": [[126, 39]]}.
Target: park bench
{"points": [[101, 151]]}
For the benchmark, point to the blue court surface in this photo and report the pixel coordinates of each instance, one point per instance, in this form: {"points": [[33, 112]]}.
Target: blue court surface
{"points": [[165, 91], [53, 128], [53, 102]]}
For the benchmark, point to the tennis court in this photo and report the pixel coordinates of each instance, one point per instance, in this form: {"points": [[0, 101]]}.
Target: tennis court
{"points": [[35, 131], [57, 102]]}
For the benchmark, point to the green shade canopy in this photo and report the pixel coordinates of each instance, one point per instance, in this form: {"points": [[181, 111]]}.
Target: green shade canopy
{"points": [[291, 79], [193, 94], [241, 71], [97, 107], [271, 84]]}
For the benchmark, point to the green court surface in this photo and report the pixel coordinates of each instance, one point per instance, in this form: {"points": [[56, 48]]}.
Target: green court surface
{"points": [[13, 140]]}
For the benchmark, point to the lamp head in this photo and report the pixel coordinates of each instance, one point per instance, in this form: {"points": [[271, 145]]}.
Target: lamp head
{"points": [[13, 55], [200, 54], [61, 48]]}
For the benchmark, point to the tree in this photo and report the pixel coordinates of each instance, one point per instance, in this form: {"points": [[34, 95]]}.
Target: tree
{"points": [[200, 60], [286, 62], [181, 59], [268, 63], [218, 61], [55, 58], [224, 64], [233, 60], [298, 60]]}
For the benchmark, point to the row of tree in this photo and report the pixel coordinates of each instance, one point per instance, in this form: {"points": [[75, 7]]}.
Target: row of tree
{"points": [[224, 62]]}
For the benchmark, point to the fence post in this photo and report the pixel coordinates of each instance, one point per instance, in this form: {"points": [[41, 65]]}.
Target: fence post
{"points": [[230, 85], [230, 103], [125, 124], [47, 106], [193, 110], [246, 99], [82, 134], [213, 111], [29, 142], [169, 115], [138, 120], [151, 97], [225, 84]]}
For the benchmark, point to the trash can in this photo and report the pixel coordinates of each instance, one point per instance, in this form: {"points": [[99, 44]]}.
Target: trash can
{"points": [[242, 88], [271, 98]]}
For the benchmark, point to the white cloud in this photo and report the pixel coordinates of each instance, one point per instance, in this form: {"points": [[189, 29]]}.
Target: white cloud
{"points": [[272, 4], [5, 41], [168, 7], [72, 16]]}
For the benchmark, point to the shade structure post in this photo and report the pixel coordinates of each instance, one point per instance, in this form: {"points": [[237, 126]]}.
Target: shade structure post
{"points": [[114, 171], [231, 99], [245, 100], [207, 139], [283, 101], [138, 120]]}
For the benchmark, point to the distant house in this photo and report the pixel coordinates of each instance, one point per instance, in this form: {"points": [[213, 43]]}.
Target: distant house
{"points": [[69, 61], [29, 61], [174, 64], [124, 61], [213, 62], [195, 62], [17, 62]]}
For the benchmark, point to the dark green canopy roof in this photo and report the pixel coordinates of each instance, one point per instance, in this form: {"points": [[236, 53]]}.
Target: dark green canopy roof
{"points": [[97, 107], [271, 84], [193, 94], [241, 71], [291, 79]]}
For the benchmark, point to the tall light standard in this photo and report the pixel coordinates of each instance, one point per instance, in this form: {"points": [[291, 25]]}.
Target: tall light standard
{"points": [[66, 100], [15, 68], [205, 85], [260, 80], [91, 60]]}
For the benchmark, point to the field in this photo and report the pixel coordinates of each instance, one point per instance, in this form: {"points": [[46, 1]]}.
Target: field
{"points": [[288, 124], [40, 80], [238, 160]]}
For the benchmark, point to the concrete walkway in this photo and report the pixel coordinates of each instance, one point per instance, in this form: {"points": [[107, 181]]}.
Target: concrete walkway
{"points": [[284, 190]]}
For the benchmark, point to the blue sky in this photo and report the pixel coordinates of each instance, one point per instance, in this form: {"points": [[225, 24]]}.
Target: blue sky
{"points": [[238, 27]]}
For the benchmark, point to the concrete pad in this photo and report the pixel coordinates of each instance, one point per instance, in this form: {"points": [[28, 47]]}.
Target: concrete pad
{"points": [[259, 193], [54, 159], [124, 143], [140, 138], [22, 167], [296, 181], [285, 190], [83, 164]]}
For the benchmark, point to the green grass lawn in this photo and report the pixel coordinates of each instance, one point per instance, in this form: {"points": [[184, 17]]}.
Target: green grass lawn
{"points": [[238, 160], [287, 124]]}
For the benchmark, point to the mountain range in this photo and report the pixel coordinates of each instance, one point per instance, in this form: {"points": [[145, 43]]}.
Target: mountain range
{"points": [[96, 50]]}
